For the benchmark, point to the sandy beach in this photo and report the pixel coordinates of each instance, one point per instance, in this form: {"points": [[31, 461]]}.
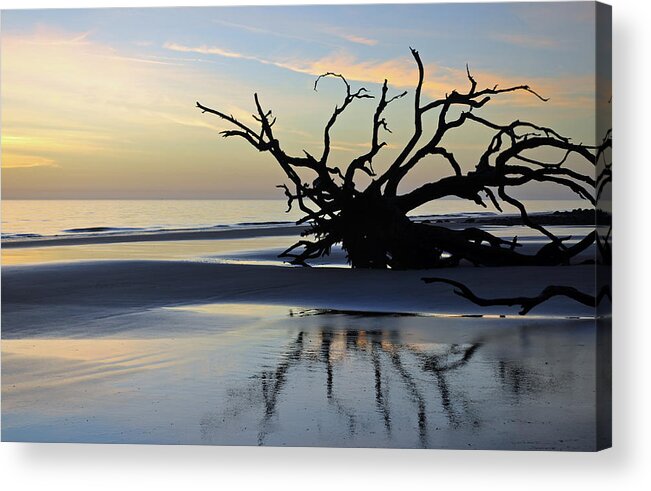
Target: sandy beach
{"points": [[212, 339], [32, 292]]}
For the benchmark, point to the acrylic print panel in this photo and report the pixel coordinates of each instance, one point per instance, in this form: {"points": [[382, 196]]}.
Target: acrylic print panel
{"points": [[379, 226]]}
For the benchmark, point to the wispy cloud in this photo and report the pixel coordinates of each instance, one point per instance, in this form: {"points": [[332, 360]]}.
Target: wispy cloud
{"points": [[402, 73], [359, 39], [209, 50], [92, 111], [47, 36], [278, 33], [353, 147], [152, 61], [351, 37], [16, 161], [192, 122], [329, 31]]}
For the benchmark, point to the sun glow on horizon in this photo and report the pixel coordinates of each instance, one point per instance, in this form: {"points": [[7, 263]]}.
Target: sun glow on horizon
{"points": [[94, 108]]}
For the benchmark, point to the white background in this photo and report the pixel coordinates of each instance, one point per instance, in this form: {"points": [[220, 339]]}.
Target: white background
{"points": [[626, 466]]}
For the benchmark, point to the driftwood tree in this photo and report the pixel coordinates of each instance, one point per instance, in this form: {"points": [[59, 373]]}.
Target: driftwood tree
{"points": [[372, 222], [527, 303]]}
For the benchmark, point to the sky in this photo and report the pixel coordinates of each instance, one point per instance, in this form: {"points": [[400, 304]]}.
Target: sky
{"points": [[100, 103]]}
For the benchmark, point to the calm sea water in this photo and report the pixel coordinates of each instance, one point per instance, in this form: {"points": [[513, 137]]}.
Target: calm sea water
{"points": [[56, 217]]}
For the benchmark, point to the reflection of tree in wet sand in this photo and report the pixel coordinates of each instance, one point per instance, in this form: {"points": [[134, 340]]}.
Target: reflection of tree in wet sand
{"points": [[273, 382], [439, 365], [394, 366]]}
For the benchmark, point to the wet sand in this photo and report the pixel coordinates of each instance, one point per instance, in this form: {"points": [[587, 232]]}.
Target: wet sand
{"points": [[275, 375], [44, 298], [210, 345]]}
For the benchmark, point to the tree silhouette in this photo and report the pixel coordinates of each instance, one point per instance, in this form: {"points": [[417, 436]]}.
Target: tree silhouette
{"points": [[371, 222], [527, 303]]}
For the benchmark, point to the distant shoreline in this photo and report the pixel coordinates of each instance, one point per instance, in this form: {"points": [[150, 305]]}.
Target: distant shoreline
{"points": [[574, 217], [243, 233]]}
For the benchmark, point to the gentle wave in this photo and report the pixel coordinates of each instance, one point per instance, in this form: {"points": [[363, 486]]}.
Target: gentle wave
{"points": [[110, 230], [25, 219], [246, 224], [21, 236], [104, 231], [101, 229]]}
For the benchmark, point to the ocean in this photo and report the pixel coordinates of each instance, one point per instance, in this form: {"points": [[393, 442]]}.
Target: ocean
{"points": [[36, 218]]}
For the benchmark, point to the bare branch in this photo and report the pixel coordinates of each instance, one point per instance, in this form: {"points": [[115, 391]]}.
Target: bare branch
{"points": [[230, 119], [418, 126], [527, 303], [376, 145], [361, 93]]}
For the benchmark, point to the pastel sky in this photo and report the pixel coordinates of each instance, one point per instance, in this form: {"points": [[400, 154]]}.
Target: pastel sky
{"points": [[99, 103]]}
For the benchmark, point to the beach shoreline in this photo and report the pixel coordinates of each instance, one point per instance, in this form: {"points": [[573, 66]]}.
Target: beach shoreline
{"points": [[44, 296], [106, 338], [157, 236], [108, 235]]}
